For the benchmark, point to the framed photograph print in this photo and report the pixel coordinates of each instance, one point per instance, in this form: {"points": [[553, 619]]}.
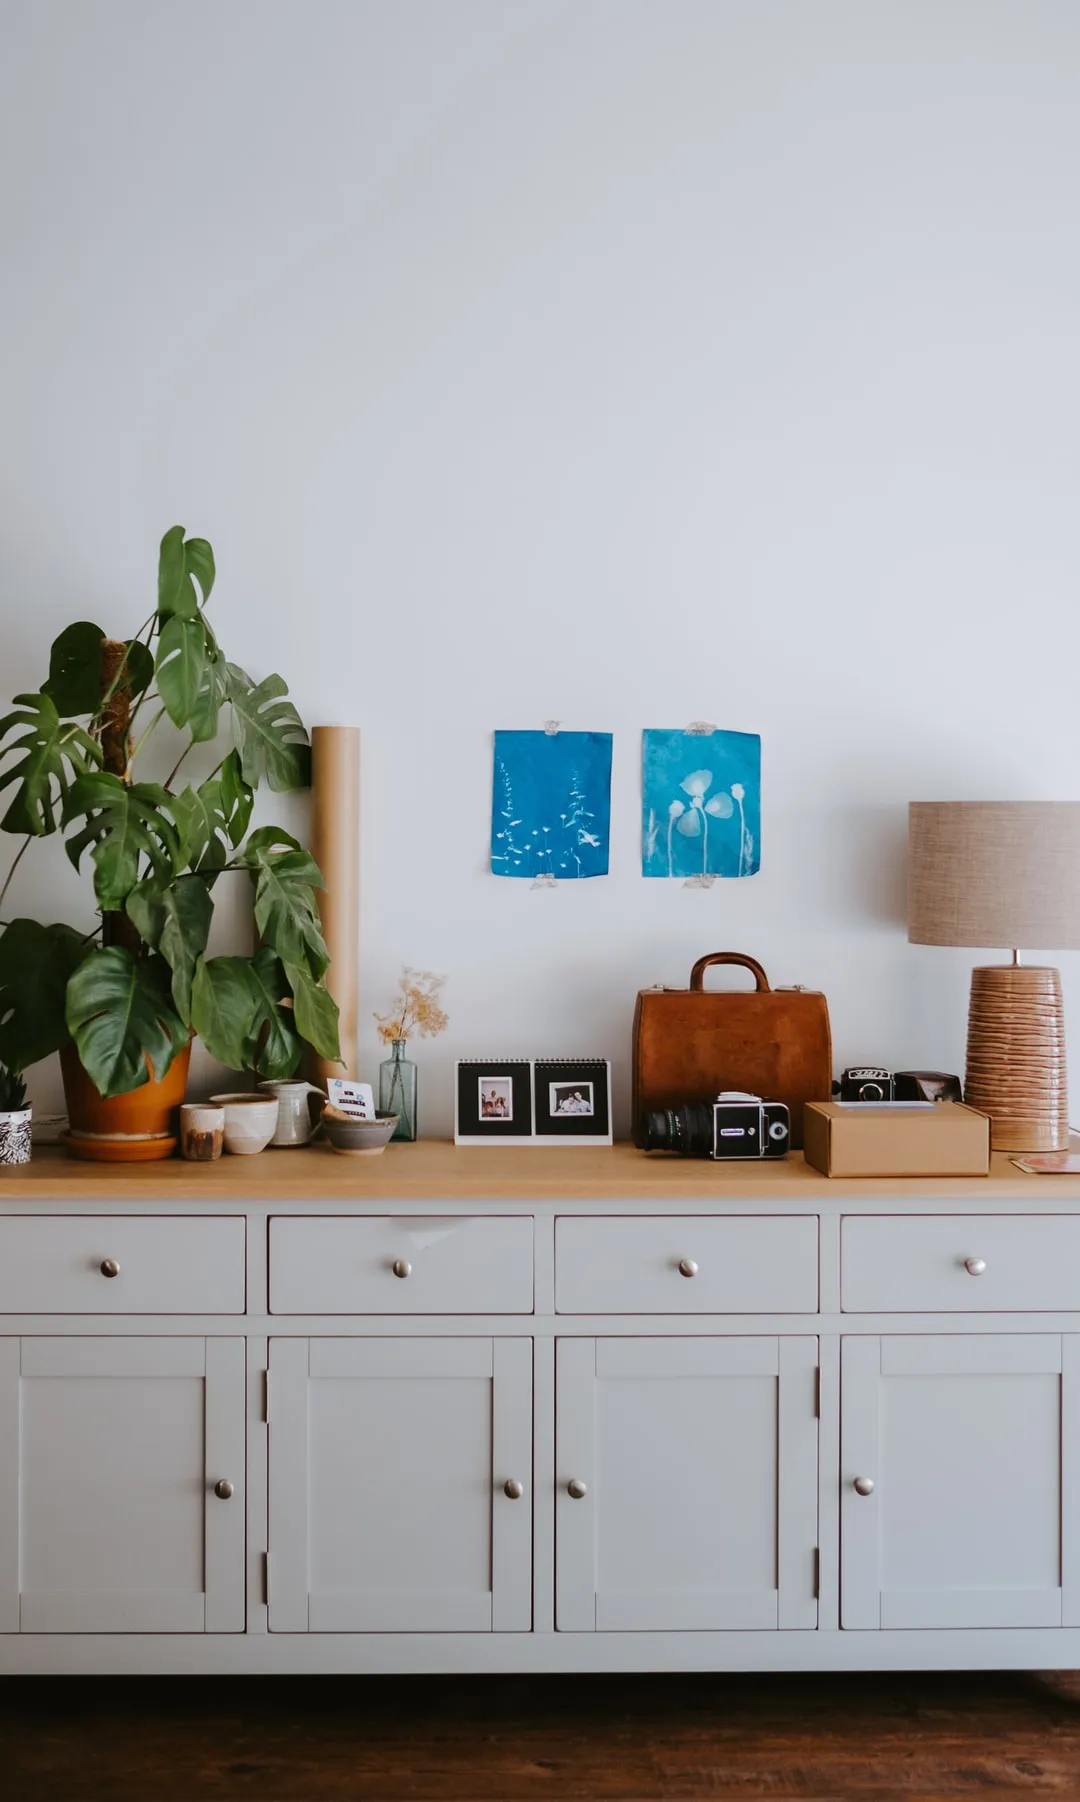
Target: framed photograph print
{"points": [[573, 1100], [533, 1101], [494, 1104]]}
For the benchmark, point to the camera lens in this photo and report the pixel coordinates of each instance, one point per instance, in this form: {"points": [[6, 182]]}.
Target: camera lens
{"points": [[686, 1130], [871, 1091], [778, 1130]]}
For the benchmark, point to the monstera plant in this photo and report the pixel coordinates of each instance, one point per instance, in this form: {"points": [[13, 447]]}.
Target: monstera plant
{"points": [[128, 996]]}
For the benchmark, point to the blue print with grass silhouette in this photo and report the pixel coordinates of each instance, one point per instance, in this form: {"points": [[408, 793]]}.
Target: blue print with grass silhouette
{"points": [[551, 804], [701, 804]]}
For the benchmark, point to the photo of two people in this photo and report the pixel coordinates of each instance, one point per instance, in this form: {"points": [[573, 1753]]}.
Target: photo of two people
{"points": [[571, 1098]]}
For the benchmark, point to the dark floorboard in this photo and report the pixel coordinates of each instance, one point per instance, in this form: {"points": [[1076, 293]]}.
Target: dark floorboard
{"points": [[516, 1739]]}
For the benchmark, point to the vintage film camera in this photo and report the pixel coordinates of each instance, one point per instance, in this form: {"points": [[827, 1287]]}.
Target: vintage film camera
{"points": [[869, 1082], [733, 1126], [865, 1082]]}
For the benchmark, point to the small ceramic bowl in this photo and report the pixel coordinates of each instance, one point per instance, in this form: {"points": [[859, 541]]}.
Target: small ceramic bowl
{"points": [[250, 1122], [360, 1138]]}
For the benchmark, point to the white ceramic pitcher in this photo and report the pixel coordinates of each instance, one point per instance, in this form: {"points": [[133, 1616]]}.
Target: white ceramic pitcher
{"points": [[294, 1117]]}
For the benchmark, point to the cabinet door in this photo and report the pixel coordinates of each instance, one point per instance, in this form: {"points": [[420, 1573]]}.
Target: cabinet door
{"points": [[110, 1450], [400, 1485], [686, 1484], [966, 1455]]}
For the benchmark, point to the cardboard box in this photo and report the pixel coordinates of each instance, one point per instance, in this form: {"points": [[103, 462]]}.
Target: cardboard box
{"points": [[941, 1139]]}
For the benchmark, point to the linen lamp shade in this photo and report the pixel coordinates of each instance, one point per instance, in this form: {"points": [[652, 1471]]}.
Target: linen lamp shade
{"points": [[1004, 873], [994, 873]]}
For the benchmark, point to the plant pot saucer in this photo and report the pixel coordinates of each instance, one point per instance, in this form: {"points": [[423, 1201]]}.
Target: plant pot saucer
{"points": [[119, 1151]]}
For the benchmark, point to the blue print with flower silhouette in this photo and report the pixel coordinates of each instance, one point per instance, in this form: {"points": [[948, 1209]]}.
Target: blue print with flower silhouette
{"points": [[551, 804], [701, 804]]}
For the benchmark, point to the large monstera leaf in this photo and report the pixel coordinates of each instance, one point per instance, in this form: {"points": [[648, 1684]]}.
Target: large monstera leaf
{"points": [[285, 879], [191, 676], [240, 1011], [204, 718], [181, 665], [178, 562], [269, 732], [123, 824], [175, 920], [120, 1014], [74, 684], [191, 672], [315, 1012], [35, 964], [213, 818], [55, 753]]}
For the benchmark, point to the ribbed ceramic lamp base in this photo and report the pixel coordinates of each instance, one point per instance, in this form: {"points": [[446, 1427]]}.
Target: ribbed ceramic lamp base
{"points": [[1016, 1069]]}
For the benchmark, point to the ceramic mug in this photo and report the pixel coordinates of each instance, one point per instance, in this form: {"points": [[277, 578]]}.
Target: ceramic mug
{"points": [[202, 1132], [294, 1117]]}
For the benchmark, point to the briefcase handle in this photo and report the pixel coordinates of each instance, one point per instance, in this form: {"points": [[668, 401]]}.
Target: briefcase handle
{"points": [[697, 974]]}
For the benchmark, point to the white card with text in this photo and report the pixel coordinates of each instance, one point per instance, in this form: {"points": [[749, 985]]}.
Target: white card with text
{"points": [[352, 1098]]}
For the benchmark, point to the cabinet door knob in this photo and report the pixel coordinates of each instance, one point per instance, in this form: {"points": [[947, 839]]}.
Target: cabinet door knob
{"points": [[687, 1267], [513, 1489], [109, 1267], [864, 1485], [974, 1266], [401, 1267], [576, 1488], [223, 1489]]}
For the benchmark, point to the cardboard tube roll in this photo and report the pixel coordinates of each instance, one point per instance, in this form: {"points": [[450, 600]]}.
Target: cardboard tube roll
{"points": [[335, 846]]}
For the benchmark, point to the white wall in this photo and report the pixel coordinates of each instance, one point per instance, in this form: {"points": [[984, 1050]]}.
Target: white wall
{"points": [[619, 361]]}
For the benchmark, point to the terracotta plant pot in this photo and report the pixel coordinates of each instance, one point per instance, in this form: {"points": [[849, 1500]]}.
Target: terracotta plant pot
{"points": [[144, 1123]]}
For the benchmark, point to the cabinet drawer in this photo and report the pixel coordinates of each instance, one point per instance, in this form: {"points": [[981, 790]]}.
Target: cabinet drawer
{"points": [[686, 1264], [53, 1264], [960, 1263], [401, 1266]]}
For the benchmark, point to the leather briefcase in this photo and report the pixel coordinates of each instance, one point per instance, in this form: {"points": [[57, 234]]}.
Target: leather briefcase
{"points": [[689, 1044]]}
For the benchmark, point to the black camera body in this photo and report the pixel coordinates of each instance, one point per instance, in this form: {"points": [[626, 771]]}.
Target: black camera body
{"points": [[869, 1082], [733, 1126]]}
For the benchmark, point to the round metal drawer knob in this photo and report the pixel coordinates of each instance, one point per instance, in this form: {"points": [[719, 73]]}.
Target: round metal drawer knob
{"points": [[687, 1267], [401, 1267], [513, 1489], [576, 1488], [224, 1489], [974, 1266], [864, 1485], [109, 1267]]}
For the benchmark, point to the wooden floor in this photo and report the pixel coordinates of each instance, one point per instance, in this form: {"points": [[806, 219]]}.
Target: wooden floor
{"points": [[515, 1739]]}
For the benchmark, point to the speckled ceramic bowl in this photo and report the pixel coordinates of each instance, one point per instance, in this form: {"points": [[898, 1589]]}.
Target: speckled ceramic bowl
{"points": [[250, 1121], [360, 1138]]}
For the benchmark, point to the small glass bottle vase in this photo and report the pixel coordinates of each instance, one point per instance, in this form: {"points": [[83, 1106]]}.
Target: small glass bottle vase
{"points": [[397, 1089]]}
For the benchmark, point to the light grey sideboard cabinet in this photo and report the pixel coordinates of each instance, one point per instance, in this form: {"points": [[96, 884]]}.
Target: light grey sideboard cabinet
{"points": [[535, 1410]]}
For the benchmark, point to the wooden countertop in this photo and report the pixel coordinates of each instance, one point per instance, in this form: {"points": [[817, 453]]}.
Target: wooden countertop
{"points": [[435, 1170]]}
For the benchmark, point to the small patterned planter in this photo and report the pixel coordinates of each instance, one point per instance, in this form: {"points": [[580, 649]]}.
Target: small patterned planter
{"points": [[15, 1137]]}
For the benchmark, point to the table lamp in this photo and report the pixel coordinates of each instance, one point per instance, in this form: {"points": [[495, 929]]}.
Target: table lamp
{"points": [[1004, 873]]}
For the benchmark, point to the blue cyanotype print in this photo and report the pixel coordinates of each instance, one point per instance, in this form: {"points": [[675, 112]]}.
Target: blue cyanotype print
{"points": [[701, 804], [551, 804]]}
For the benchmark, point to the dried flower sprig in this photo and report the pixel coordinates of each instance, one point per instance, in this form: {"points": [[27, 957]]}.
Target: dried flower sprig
{"points": [[417, 1010]]}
